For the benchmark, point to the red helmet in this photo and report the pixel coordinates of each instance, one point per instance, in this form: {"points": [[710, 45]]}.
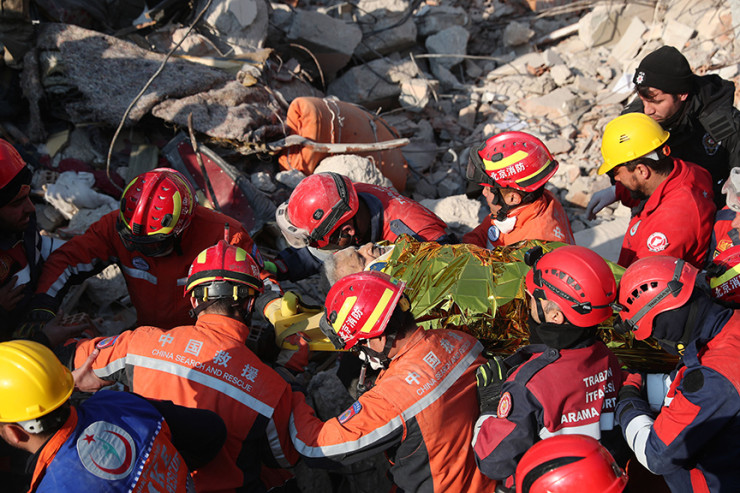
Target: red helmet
{"points": [[578, 280], [358, 307], [318, 206], [724, 275], [651, 286], [568, 463], [512, 160], [11, 163], [156, 207], [223, 271]]}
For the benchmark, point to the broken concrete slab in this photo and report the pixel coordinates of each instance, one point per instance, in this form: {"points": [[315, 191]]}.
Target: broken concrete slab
{"points": [[332, 41], [677, 34], [368, 85], [460, 213], [389, 34], [560, 105], [599, 26], [630, 43], [96, 76], [451, 41], [416, 93], [357, 168], [517, 33], [242, 24]]}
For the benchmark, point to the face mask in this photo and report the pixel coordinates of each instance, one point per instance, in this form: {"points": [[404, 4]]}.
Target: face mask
{"points": [[558, 336], [507, 225], [373, 361]]}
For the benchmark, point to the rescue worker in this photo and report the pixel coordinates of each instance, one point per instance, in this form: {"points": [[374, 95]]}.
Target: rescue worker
{"points": [[326, 211], [677, 214], [698, 111], [569, 463], [423, 404], [726, 230], [22, 250], [159, 229], [526, 398], [114, 441], [208, 366], [513, 168], [692, 440], [723, 277]]}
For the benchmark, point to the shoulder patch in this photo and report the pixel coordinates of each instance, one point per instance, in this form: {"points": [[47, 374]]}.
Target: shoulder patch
{"points": [[107, 342], [353, 410], [504, 405], [693, 382], [657, 242]]}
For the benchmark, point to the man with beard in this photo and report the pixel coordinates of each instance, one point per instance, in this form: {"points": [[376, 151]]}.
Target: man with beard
{"points": [[697, 110], [673, 211]]}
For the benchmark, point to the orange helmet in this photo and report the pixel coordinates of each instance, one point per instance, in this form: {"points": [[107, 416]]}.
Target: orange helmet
{"points": [[13, 172], [223, 271], [156, 207], [359, 306], [512, 160], [578, 280], [318, 206], [724, 275], [569, 463], [649, 287]]}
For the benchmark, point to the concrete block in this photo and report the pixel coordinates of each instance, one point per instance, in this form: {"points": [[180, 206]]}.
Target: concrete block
{"points": [[331, 40], [466, 116], [677, 34], [358, 168], [398, 38], [561, 74], [631, 41], [435, 18], [517, 33], [599, 26], [415, 94], [363, 85], [588, 85], [450, 41], [559, 103]]}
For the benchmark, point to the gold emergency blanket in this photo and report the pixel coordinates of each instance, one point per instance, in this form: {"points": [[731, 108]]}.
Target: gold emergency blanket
{"points": [[481, 292]]}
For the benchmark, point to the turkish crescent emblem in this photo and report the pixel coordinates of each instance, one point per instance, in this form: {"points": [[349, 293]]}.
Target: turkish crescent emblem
{"points": [[633, 229], [657, 242], [106, 450], [504, 405]]}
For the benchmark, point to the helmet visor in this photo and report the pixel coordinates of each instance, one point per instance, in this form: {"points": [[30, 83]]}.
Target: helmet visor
{"points": [[475, 171], [149, 246], [296, 237]]}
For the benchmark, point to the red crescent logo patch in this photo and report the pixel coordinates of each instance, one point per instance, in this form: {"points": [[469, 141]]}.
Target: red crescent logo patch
{"points": [[657, 242], [106, 450], [504, 405]]}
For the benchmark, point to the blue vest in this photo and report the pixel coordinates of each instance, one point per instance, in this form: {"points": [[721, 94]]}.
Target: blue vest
{"points": [[116, 446]]}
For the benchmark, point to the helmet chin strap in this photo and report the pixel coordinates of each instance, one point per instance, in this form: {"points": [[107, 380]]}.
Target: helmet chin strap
{"points": [[382, 357]]}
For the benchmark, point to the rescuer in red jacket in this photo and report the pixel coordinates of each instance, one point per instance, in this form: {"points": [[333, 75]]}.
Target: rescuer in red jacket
{"points": [[208, 366], [153, 238], [423, 405], [567, 380], [513, 168], [672, 199], [326, 211]]}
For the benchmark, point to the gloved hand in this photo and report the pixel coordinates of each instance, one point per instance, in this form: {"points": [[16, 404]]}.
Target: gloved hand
{"points": [[633, 385], [490, 377], [295, 359], [599, 200]]}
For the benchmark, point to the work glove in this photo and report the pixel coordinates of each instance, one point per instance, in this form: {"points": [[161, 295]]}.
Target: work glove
{"points": [[295, 360], [490, 377], [35, 320], [633, 385], [599, 200]]}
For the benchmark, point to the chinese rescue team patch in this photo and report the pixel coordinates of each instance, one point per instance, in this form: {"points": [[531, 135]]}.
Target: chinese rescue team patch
{"points": [[347, 415], [107, 342]]}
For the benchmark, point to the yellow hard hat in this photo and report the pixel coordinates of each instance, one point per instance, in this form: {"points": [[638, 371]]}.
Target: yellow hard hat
{"points": [[628, 137], [33, 382]]}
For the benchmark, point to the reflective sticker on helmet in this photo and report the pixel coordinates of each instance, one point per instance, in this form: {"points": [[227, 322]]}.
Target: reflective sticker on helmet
{"points": [[507, 161], [377, 311], [140, 263], [106, 450], [107, 342], [657, 242], [352, 411], [633, 229], [504, 405]]}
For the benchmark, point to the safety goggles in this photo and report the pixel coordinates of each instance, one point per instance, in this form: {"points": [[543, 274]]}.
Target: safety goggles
{"points": [[673, 287], [475, 171], [149, 245], [580, 307]]}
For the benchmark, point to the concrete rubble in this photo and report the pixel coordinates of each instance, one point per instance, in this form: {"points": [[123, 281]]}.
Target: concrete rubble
{"points": [[445, 74]]}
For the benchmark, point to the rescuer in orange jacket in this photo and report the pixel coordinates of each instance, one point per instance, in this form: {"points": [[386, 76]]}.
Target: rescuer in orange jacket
{"points": [[423, 405], [153, 238], [513, 168], [208, 366]]}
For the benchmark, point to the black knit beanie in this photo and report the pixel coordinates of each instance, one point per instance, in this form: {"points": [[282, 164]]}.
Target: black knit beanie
{"points": [[665, 69]]}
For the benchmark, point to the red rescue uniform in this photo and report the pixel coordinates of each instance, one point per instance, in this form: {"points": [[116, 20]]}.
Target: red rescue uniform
{"points": [[207, 366], [155, 284], [423, 407], [544, 219], [675, 220]]}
